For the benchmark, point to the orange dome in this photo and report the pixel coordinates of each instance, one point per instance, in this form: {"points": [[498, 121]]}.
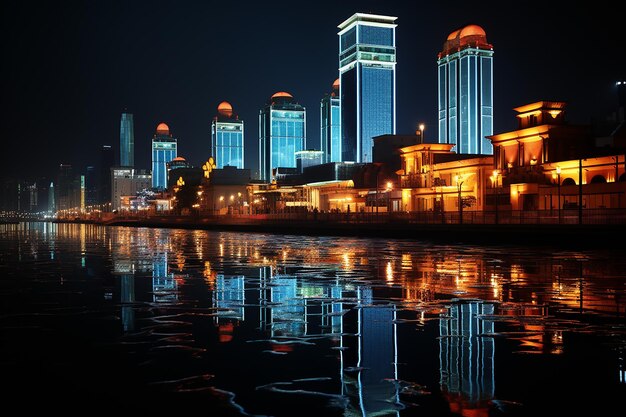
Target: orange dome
{"points": [[179, 158], [336, 84], [453, 35], [282, 94], [472, 30], [163, 129], [225, 109]]}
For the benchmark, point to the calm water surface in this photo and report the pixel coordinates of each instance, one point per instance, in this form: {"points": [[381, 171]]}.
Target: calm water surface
{"points": [[137, 321]]}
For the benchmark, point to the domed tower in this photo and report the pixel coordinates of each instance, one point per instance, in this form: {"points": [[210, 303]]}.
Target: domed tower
{"points": [[465, 79], [330, 135], [282, 133], [227, 140], [164, 150]]}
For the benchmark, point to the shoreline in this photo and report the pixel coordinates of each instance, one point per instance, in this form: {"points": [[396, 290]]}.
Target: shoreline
{"points": [[567, 236]]}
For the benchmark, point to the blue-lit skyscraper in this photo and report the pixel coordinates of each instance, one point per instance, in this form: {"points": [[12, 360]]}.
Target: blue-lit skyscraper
{"points": [[164, 149], [127, 141], [367, 83], [227, 137], [282, 133], [465, 76], [330, 143]]}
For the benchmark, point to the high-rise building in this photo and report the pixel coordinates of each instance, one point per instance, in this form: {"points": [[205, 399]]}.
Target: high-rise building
{"points": [[107, 161], [367, 83], [465, 77], [330, 135], [227, 144], [127, 182], [282, 133], [164, 150], [127, 141]]}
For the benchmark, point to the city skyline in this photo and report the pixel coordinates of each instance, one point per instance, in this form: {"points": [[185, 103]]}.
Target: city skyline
{"points": [[94, 61]]}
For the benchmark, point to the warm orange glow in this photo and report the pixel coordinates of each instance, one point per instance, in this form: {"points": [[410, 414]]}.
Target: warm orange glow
{"points": [[179, 158], [336, 84], [225, 109], [163, 129], [453, 35], [282, 94], [472, 30], [226, 332]]}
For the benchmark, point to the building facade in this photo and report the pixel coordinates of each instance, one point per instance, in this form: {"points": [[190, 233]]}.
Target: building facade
{"points": [[282, 133], [227, 144], [127, 182], [367, 83], [127, 140], [330, 124], [465, 91], [164, 150]]}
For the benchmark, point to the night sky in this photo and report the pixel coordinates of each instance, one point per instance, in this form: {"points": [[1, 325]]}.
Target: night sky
{"points": [[70, 68]]}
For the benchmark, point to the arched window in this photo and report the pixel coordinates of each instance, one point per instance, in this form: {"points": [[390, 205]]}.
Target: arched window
{"points": [[598, 179], [568, 181]]}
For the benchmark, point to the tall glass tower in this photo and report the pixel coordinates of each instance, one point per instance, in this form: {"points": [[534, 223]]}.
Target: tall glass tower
{"points": [[164, 149], [127, 141], [227, 137], [465, 76], [330, 134], [367, 83], [282, 133]]}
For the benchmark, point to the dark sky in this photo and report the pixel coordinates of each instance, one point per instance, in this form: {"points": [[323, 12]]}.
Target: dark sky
{"points": [[70, 68]]}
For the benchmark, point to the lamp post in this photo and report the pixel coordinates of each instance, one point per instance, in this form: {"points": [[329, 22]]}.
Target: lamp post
{"points": [[558, 186], [389, 188], [494, 182], [421, 128], [459, 183]]}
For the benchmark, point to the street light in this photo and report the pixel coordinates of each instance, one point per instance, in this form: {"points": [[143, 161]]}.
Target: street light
{"points": [[389, 188], [421, 128], [558, 185], [494, 182], [459, 183]]}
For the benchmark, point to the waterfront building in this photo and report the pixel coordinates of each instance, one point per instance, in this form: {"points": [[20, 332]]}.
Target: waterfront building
{"points": [[127, 182], [465, 91], [330, 123], [282, 133], [164, 149], [310, 157], [367, 83], [127, 140], [227, 138]]}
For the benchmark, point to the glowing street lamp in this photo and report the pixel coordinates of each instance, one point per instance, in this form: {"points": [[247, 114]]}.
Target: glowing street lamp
{"points": [[421, 128], [389, 188], [459, 183], [558, 186], [494, 182]]}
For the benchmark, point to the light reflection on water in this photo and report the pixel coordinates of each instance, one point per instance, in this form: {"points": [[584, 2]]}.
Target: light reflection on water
{"points": [[254, 324]]}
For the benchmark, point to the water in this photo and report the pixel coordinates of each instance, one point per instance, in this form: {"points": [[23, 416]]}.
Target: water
{"points": [[178, 322]]}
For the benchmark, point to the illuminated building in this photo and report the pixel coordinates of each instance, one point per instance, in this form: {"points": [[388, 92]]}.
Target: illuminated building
{"points": [[164, 148], [310, 157], [282, 133], [227, 145], [465, 79], [330, 142], [127, 182], [367, 83], [127, 140]]}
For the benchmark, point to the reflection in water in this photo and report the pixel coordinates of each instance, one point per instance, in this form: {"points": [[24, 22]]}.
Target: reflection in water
{"points": [[265, 325], [466, 354]]}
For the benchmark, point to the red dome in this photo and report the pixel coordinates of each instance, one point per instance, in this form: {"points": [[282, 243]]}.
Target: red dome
{"points": [[163, 129], [225, 109], [472, 30], [282, 94]]}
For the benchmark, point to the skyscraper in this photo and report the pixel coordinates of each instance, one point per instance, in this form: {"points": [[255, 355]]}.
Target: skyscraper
{"points": [[107, 161], [330, 142], [367, 83], [164, 149], [227, 144], [282, 133], [127, 140], [465, 76]]}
